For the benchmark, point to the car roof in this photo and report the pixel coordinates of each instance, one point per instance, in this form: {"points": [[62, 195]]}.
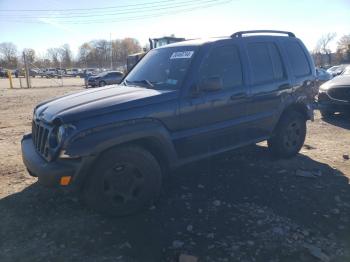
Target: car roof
{"points": [[194, 42], [203, 41]]}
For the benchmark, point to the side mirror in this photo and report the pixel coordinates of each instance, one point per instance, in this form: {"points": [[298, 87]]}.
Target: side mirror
{"points": [[211, 84]]}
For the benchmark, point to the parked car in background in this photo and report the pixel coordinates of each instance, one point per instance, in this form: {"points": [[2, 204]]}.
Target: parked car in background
{"points": [[3, 72], [33, 72], [52, 73], [21, 72], [73, 72], [336, 70], [88, 71], [334, 95], [322, 76], [106, 78], [180, 103]]}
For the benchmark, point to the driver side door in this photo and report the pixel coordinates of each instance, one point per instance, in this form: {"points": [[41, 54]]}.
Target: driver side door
{"points": [[211, 120]]}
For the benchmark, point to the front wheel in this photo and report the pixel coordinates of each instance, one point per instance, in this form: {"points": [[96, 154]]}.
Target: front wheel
{"points": [[289, 135], [102, 83], [123, 181]]}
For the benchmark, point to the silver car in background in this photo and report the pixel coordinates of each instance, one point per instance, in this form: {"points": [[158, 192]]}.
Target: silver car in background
{"points": [[105, 78]]}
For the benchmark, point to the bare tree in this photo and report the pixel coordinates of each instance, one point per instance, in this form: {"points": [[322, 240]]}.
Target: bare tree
{"points": [[30, 55], [322, 47], [84, 54], [8, 52], [343, 49], [97, 53], [54, 54], [123, 48], [66, 56]]}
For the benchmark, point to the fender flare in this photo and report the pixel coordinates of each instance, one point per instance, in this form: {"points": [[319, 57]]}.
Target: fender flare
{"points": [[92, 142]]}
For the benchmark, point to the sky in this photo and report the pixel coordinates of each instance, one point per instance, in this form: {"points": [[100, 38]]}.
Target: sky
{"points": [[141, 19]]}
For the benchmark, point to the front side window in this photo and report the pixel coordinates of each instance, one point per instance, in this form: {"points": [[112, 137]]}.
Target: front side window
{"points": [[163, 68], [223, 62]]}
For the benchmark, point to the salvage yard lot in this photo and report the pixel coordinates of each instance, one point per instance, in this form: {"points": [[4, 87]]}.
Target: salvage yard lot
{"points": [[238, 206], [42, 82]]}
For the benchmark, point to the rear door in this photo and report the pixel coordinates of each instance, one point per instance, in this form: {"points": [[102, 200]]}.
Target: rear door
{"points": [[211, 120], [267, 82]]}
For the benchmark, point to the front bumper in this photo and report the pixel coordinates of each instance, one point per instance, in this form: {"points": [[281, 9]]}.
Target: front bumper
{"points": [[92, 82], [325, 102], [49, 173]]}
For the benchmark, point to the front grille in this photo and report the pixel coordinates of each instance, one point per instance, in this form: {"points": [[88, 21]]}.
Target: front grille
{"points": [[40, 134], [340, 93]]}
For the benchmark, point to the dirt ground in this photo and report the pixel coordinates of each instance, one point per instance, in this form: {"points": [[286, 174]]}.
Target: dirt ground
{"points": [[42, 82], [239, 206]]}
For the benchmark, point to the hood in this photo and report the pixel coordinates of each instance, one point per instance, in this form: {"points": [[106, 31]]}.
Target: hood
{"points": [[338, 81], [94, 76], [99, 101], [341, 80]]}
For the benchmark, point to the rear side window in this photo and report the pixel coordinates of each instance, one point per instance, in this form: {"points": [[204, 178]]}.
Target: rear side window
{"points": [[266, 63], [114, 74], [223, 62], [297, 58]]}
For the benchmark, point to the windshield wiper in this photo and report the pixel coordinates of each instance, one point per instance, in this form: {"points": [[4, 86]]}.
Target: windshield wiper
{"points": [[143, 82]]}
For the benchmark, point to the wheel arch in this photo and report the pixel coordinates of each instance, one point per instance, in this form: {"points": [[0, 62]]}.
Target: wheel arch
{"points": [[149, 134], [304, 109]]}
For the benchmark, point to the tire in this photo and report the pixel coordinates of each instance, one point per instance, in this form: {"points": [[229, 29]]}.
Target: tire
{"points": [[289, 135], [326, 113], [102, 83], [124, 180]]}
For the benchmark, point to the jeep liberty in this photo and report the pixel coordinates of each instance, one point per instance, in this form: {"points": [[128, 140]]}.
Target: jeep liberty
{"points": [[180, 103]]}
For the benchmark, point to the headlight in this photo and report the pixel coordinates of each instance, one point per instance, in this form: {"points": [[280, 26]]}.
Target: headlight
{"points": [[60, 134], [324, 87]]}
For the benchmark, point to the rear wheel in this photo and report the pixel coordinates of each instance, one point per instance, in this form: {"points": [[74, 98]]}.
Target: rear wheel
{"points": [[123, 181], [289, 135]]}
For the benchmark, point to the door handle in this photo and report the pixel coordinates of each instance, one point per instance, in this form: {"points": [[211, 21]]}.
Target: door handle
{"points": [[238, 96], [284, 87]]}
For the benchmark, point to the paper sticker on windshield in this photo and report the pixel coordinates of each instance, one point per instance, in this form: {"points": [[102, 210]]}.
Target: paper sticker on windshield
{"points": [[180, 55]]}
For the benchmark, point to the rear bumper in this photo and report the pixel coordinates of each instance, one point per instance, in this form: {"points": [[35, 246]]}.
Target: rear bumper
{"points": [[48, 173]]}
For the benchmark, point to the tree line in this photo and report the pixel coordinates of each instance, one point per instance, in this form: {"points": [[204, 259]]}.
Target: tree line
{"points": [[96, 53], [322, 54], [104, 54]]}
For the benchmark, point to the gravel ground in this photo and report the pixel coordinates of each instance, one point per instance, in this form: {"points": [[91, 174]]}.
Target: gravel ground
{"points": [[42, 82], [238, 206]]}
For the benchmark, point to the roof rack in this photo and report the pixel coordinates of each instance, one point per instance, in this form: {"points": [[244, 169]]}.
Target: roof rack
{"points": [[241, 33]]}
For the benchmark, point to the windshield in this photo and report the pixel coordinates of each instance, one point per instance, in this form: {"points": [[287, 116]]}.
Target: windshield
{"points": [[163, 68], [333, 68], [103, 74]]}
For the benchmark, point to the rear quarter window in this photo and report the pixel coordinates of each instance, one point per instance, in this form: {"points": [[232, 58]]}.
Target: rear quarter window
{"points": [[297, 59]]}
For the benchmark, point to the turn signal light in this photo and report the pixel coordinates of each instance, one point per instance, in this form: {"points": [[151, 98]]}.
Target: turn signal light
{"points": [[65, 180]]}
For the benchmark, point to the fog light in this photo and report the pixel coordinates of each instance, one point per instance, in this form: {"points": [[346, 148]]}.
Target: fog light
{"points": [[65, 180]]}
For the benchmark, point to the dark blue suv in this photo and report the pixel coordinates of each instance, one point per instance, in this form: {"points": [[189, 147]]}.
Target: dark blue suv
{"points": [[180, 103]]}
